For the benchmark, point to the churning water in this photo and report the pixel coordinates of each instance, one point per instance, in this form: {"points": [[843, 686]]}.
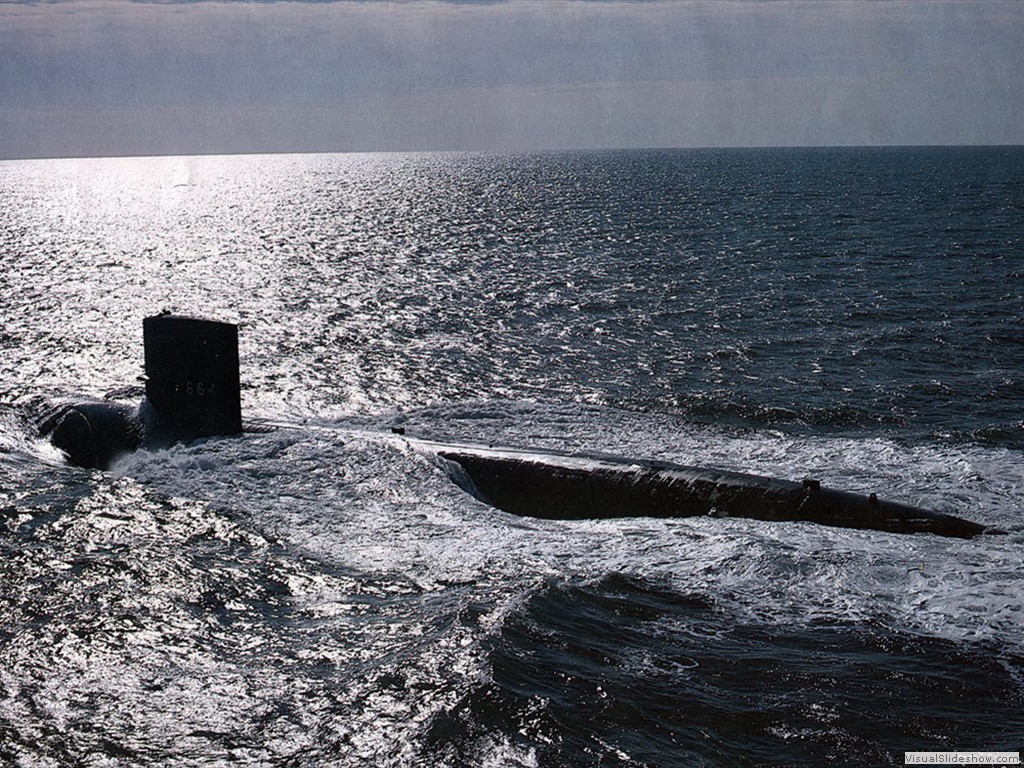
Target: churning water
{"points": [[321, 594]]}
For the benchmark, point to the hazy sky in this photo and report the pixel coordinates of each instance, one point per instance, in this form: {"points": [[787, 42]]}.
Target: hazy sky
{"points": [[99, 77]]}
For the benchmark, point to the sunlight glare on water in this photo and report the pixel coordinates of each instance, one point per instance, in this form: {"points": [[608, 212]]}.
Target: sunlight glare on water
{"points": [[319, 592]]}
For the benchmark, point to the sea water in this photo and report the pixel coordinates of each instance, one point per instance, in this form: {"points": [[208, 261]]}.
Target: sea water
{"points": [[318, 592]]}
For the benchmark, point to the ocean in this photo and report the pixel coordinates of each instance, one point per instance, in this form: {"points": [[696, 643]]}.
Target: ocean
{"points": [[317, 592]]}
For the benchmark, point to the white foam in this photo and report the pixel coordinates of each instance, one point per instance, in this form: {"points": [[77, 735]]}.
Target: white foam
{"points": [[356, 495]]}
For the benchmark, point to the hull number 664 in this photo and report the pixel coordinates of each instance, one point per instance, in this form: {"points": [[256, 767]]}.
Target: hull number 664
{"points": [[199, 388]]}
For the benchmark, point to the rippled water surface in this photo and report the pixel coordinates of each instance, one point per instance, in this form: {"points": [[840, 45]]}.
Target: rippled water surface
{"points": [[321, 594]]}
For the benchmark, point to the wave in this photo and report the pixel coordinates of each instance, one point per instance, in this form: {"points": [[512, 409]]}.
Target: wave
{"points": [[625, 671]]}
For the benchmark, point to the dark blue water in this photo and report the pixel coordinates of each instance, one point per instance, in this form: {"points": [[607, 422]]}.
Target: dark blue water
{"points": [[321, 594]]}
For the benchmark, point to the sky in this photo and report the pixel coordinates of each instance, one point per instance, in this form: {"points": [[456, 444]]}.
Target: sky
{"points": [[84, 78]]}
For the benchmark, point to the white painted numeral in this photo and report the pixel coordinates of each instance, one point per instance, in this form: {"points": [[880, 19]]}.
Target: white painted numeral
{"points": [[200, 388]]}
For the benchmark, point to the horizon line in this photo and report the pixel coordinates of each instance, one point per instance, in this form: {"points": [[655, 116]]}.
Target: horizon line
{"points": [[510, 151]]}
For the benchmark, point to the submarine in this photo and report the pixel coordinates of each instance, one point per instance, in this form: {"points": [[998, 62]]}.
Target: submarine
{"points": [[568, 486], [192, 391], [192, 386]]}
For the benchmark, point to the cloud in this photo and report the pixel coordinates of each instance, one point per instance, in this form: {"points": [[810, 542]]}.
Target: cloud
{"points": [[246, 76]]}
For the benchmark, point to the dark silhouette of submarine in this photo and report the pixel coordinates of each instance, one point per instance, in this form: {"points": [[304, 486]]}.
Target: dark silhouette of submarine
{"points": [[575, 487], [193, 391]]}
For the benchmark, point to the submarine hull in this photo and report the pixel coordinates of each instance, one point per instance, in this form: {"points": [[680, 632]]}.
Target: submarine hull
{"points": [[93, 434], [193, 391], [571, 487]]}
